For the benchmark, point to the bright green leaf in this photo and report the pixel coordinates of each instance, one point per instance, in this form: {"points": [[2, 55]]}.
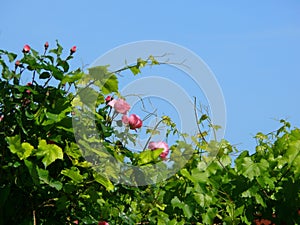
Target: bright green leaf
{"points": [[49, 152], [23, 150]]}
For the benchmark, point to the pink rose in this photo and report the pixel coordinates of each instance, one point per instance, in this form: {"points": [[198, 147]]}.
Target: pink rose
{"points": [[156, 145], [103, 223], [134, 121], [120, 105], [1, 117], [26, 48]]}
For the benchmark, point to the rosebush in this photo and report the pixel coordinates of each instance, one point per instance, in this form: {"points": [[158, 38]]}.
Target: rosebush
{"points": [[45, 177]]}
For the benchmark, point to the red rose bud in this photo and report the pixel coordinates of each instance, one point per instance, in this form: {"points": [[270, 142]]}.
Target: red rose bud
{"points": [[29, 84], [108, 99], [26, 49], [73, 50], [17, 63], [46, 45]]}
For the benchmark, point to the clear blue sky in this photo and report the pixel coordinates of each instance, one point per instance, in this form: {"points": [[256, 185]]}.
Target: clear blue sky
{"points": [[253, 47]]}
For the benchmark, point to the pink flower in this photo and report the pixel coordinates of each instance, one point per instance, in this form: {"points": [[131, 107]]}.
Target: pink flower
{"points": [[120, 105], [26, 48], [1, 117], [134, 121], [76, 222], [73, 50], [156, 145], [103, 223]]}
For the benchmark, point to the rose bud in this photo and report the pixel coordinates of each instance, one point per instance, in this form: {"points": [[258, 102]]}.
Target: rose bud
{"points": [[46, 45], [108, 99], [26, 49], [73, 50], [17, 63]]}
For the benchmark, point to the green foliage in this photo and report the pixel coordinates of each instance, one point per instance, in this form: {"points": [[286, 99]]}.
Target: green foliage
{"points": [[46, 179]]}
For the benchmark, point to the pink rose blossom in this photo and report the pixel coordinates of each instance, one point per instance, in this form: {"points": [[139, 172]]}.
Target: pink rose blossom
{"points": [[120, 105], [156, 145], [1, 117], [103, 223], [134, 121], [26, 48]]}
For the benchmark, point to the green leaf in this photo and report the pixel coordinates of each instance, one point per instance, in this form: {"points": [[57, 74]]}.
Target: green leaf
{"points": [[88, 96], [32, 171], [57, 50], [293, 151], [49, 152], [110, 85], [148, 156], [74, 174], [185, 208], [11, 56], [104, 181], [107, 81], [72, 78], [64, 64], [55, 118], [23, 150], [209, 215], [73, 151], [176, 202], [250, 169], [45, 178], [135, 70], [45, 75]]}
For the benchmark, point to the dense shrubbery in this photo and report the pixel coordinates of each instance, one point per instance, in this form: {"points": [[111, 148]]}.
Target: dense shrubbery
{"points": [[45, 178]]}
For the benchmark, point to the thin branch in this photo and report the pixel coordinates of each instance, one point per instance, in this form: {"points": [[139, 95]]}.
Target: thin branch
{"points": [[197, 119]]}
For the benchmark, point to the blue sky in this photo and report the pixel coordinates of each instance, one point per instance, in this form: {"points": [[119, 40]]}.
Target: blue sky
{"points": [[253, 47]]}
